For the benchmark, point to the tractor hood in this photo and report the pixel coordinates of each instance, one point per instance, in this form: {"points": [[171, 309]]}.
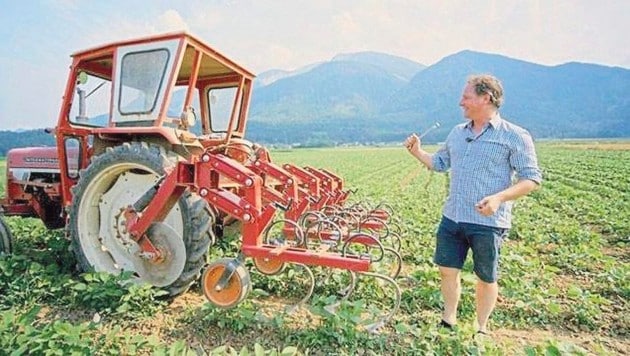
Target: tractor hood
{"points": [[38, 158]]}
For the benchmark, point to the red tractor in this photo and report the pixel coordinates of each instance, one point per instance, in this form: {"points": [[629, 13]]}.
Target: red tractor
{"points": [[151, 162]]}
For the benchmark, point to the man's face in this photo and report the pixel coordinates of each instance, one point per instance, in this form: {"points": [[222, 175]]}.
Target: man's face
{"points": [[474, 106]]}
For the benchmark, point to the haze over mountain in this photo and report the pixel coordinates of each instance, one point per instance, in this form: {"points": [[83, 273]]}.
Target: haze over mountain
{"points": [[361, 97], [375, 97]]}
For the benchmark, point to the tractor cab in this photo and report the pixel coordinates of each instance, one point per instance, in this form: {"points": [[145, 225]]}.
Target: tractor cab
{"points": [[172, 81], [171, 90]]}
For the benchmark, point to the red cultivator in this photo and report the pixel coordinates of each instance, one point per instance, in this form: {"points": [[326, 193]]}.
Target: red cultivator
{"points": [[144, 181]]}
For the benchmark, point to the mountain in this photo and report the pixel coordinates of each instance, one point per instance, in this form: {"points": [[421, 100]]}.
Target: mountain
{"points": [[270, 76], [304, 105], [357, 98], [24, 138], [568, 100], [375, 97], [332, 90], [399, 67]]}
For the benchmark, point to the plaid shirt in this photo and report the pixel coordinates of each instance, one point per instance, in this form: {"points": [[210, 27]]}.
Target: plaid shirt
{"points": [[485, 165]]}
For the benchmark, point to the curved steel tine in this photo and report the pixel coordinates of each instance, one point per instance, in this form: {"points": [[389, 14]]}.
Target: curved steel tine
{"points": [[303, 219], [396, 241], [387, 208], [395, 226], [380, 221], [386, 266], [373, 328], [332, 308], [354, 237], [293, 308], [395, 272], [346, 292], [330, 273]]}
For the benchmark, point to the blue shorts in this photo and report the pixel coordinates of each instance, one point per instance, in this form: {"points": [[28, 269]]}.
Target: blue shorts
{"points": [[455, 239]]}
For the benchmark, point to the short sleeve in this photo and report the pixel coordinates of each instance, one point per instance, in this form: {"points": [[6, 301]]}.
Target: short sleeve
{"points": [[442, 158], [523, 158]]}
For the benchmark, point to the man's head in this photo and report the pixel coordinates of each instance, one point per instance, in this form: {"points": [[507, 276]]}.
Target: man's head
{"points": [[482, 96]]}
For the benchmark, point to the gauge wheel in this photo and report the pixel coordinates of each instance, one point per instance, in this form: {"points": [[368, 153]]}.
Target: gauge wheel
{"points": [[269, 266], [234, 291]]}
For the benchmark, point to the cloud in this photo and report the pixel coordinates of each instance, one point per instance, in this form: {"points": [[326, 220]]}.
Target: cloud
{"points": [[346, 26], [38, 37], [171, 20]]}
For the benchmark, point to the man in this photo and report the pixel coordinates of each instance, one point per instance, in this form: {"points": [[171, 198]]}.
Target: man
{"points": [[483, 155]]}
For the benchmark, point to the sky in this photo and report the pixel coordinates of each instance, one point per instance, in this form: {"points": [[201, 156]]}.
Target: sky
{"points": [[37, 37]]}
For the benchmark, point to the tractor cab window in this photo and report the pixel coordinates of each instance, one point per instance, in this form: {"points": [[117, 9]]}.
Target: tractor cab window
{"points": [[90, 104], [142, 75], [141, 79], [221, 102]]}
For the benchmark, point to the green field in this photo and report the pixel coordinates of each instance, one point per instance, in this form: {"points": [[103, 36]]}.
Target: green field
{"points": [[564, 280]]}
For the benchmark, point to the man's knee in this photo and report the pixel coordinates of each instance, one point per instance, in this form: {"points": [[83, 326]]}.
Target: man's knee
{"points": [[486, 284], [449, 273]]}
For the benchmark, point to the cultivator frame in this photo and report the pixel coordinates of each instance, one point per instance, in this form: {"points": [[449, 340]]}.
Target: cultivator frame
{"points": [[159, 228]]}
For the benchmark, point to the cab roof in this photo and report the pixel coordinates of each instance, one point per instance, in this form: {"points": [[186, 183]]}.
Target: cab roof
{"points": [[212, 64]]}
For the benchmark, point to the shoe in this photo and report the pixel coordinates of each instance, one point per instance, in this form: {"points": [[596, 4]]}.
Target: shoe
{"points": [[482, 336], [444, 324]]}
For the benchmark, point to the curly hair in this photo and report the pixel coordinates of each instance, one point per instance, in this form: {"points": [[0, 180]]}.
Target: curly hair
{"points": [[488, 84]]}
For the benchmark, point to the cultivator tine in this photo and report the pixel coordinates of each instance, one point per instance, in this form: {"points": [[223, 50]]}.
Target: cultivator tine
{"points": [[383, 210], [366, 240], [345, 294], [396, 241], [292, 309], [375, 224], [298, 233], [373, 328], [397, 265]]}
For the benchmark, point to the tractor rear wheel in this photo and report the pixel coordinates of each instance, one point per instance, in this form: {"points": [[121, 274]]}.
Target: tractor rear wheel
{"points": [[115, 180], [5, 238]]}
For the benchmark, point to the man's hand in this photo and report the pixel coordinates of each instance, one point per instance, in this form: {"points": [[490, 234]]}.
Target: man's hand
{"points": [[412, 143], [488, 205]]}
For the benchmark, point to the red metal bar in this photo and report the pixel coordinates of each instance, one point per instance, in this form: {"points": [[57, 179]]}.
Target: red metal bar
{"points": [[165, 198], [332, 185], [342, 195], [288, 187], [307, 180], [327, 181], [309, 257]]}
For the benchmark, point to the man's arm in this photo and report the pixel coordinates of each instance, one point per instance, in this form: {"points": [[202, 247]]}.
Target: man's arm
{"points": [[525, 163], [423, 156], [413, 146]]}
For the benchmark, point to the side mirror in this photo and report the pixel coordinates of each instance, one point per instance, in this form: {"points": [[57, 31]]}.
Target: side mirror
{"points": [[188, 118], [82, 78]]}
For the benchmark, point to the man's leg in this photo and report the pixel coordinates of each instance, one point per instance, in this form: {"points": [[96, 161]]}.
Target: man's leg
{"points": [[486, 299], [486, 245], [451, 290], [450, 252]]}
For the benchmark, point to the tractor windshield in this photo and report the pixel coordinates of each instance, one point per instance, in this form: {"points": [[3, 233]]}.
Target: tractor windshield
{"points": [[221, 102], [90, 104], [142, 76]]}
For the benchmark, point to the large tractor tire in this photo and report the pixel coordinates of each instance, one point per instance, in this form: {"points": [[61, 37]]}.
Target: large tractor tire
{"points": [[115, 180], [5, 238]]}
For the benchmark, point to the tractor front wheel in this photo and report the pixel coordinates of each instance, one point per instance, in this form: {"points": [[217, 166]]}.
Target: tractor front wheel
{"points": [[113, 181]]}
